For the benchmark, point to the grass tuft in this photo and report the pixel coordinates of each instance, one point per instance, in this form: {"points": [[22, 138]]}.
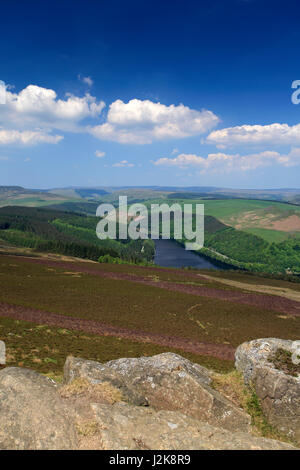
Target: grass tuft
{"points": [[103, 392], [87, 428], [282, 360], [232, 386]]}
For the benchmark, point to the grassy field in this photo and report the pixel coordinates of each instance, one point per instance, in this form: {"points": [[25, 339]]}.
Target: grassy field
{"points": [[271, 236], [254, 216], [224, 208], [30, 201], [45, 348], [34, 201], [274, 222]]}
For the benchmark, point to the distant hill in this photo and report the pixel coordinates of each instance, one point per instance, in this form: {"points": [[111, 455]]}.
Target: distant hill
{"points": [[83, 207], [17, 195], [140, 193], [79, 193]]}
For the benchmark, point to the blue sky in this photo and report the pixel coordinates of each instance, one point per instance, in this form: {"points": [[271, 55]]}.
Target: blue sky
{"points": [[178, 93]]}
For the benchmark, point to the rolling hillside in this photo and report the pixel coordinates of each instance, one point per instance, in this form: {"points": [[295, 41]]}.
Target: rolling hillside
{"points": [[18, 196], [67, 233], [252, 234]]}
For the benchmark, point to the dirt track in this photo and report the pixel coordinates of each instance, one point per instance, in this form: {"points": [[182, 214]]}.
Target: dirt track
{"points": [[46, 318], [267, 302]]}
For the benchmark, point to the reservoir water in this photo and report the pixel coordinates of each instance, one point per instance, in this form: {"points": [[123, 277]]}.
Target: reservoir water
{"points": [[170, 254]]}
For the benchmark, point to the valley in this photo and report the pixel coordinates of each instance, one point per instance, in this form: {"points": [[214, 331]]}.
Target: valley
{"points": [[63, 291]]}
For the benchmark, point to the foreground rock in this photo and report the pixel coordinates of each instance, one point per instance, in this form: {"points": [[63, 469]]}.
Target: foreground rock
{"points": [[89, 411], [97, 373], [166, 382], [126, 427], [32, 415], [278, 391]]}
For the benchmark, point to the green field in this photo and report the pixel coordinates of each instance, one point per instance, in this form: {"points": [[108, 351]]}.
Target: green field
{"points": [[224, 209], [31, 201], [271, 236]]}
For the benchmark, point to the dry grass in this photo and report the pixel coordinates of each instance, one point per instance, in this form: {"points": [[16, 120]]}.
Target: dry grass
{"points": [[103, 392], [87, 428], [263, 289]]}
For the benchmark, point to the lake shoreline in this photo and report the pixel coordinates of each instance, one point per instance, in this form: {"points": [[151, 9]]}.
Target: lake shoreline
{"points": [[172, 254]]}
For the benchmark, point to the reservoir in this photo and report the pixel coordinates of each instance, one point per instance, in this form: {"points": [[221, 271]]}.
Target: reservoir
{"points": [[170, 254]]}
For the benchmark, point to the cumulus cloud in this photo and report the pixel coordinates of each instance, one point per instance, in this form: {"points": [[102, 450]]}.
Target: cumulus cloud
{"points": [[30, 116], [40, 107], [221, 162], [36, 113], [275, 134], [142, 122], [100, 154], [123, 163], [8, 137]]}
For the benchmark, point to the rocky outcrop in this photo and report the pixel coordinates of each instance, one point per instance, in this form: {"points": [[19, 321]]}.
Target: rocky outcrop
{"points": [[97, 373], [165, 382], [279, 392], [32, 415], [253, 353], [126, 427], [163, 402]]}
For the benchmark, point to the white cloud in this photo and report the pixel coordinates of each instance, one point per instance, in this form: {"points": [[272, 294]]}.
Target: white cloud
{"points": [[88, 81], [221, 162], [30, 116], [100, 154], [34, 114], [123, 163], [39, 107], [141, 122], [10, 136], [275, 134]]}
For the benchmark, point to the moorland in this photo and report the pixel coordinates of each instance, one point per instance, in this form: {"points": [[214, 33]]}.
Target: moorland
{"points": [[63, 291]]}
